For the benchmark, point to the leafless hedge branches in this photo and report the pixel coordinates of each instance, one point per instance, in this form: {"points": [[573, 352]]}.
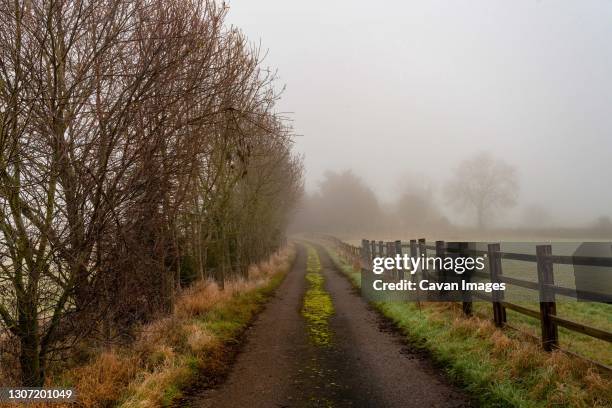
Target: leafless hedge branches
{"points": [[139, 150]]}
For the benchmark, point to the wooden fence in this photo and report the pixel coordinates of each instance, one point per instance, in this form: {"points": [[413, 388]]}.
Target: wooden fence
{"points": [[544, 259]]}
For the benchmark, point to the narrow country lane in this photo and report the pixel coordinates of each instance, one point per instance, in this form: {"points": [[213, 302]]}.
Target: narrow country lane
{"points": [[364, 365]]}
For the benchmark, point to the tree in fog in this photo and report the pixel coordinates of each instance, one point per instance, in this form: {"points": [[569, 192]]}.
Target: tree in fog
{"points": [[484, 186], [416, 206], [343, 204]]}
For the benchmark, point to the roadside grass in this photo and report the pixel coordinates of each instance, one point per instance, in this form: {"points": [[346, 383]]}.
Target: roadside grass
{"points": [[500, 368], [598, 315], [170, 354], [592, 314]]}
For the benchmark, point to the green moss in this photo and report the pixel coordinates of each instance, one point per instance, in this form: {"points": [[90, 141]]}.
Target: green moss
{"points": [[318, 306]]}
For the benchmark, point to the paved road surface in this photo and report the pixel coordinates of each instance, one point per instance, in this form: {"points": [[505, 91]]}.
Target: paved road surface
{"points": [[367, 365]]}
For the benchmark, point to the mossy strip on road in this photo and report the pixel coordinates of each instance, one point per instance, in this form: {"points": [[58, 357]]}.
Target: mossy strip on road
{"points": [[318, 306]]}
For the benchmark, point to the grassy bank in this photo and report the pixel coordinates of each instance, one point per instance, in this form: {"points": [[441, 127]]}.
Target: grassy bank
{"points": [[501, 368], [170, 354]]}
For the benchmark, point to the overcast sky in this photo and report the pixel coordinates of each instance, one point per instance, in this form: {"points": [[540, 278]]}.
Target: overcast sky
{"points": [[391, 88]]}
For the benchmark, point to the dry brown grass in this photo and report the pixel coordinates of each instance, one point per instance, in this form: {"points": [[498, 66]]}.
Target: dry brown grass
{"points": [[204, 295], [163, 354], [99, 382], [501, 343], [199, 298], [199, 338], [278, 261], [168, 331]]}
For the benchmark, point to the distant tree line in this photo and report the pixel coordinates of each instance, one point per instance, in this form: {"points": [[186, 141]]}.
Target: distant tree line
{"points": [[477, 192], [139, 151], [344, 204]]}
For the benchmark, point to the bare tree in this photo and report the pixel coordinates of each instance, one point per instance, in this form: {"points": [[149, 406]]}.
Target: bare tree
{"points": [[484, 186], [59, 165], [417, 210], [130, 132]]}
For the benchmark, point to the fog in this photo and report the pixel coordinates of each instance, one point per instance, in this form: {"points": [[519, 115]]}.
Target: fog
{"points": [[401, 92]]}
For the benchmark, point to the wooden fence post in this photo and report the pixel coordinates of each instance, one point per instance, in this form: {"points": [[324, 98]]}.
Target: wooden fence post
{"points": [[440, 254], [466, 305], [398, 251], [357, 257], [413, 248], [440, 274], [365, 263], [414, 276], [423, 247], [548, 307], [390, 250], [373, 249], [423, 254], [381, 248], [495, 270], [366, 256]]}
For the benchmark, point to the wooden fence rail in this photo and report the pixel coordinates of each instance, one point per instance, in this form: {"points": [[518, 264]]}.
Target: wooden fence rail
{"points": [[544, 259]]}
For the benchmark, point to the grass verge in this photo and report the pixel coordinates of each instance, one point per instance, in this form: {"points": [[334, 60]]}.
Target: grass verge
{"points": [[598, 315], [171, 354], [499, 368]]}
